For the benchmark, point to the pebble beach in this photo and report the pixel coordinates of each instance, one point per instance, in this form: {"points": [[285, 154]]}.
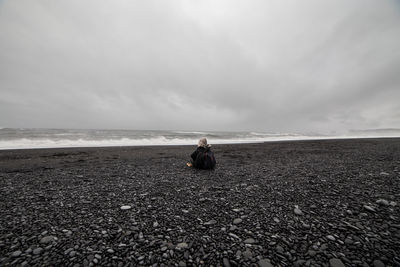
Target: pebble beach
{"points": [[293, 203]]}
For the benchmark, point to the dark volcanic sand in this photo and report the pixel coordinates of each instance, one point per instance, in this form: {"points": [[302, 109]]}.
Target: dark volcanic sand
{"points": [[63, 206]]}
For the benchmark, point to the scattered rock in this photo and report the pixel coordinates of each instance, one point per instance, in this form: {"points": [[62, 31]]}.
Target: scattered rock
{"points": [[265, 263], [378, 263], [226, 262], [37, 251], [48, 239], [331, 237], [336, 263], [383, 202], [237, 221], [369, 208], [249, 241], [210, 222], [126, 207], [297, 211], [182, 245], [16, 253], [111, 251], [312, 253]]}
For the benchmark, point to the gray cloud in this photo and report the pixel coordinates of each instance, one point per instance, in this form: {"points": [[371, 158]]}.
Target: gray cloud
{"points": [[206, 65]]}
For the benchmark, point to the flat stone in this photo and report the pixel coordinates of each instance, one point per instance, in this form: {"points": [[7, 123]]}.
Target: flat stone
{"points": [[210, 222], [384, 174], [279, 249], [47, 239], [369, 208], [265, 263], [249, 241], [66, 252], [312, 253], [378, 263], [247, 254], [297, 211], [226, 262], [233, 228], [110, 250], [182, 245], [383, 202], [16, 253], [336, 263], [37, 251], [182, 264], [237, 221], [126, 207], [299, 263], [331, 237]]}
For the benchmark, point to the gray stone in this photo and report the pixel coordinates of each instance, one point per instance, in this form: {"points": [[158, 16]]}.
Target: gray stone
{"points": [[226, 262], [126, 207], [233, 228], [182, 245], [265, 263], [331, 237], [336, 263], [247, 254], [378, 263], [299, 263], [210, 222], [279, 249], [16, 253], [66, 252], [369, 208], [47, 239], [182, 264], [383, 202], [249, 241], [297, 211], [110, 250], [237, 221], [37, 251], [312, 253]]}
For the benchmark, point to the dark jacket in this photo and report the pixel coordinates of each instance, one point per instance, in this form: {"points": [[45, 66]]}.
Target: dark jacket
{"points": [[203, 158]]}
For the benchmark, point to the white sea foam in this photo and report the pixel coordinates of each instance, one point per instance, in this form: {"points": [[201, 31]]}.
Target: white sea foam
{"points": [[51, 138]]}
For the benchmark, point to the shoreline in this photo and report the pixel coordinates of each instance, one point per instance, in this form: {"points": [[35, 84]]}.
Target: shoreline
{"points": [[283, 203], [335, 138]]}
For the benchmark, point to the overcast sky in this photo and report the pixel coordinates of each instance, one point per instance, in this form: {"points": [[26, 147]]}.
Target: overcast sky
{"points": [[278, 65]]}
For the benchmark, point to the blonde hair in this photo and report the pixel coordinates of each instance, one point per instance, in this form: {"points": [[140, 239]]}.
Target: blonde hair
{"points": [[203, 142]]}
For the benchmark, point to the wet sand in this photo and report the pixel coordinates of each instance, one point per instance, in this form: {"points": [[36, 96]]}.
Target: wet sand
{"points": [[63, 206]]}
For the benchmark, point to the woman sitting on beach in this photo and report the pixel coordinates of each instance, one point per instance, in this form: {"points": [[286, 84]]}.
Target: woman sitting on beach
{"points": [[202, 157]]}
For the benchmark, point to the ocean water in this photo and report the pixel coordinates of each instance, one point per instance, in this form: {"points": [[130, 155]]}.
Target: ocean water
{"points": [[13, 138]]}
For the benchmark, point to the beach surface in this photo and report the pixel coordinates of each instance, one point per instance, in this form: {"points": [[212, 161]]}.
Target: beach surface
{"points": [[297, 203]]}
